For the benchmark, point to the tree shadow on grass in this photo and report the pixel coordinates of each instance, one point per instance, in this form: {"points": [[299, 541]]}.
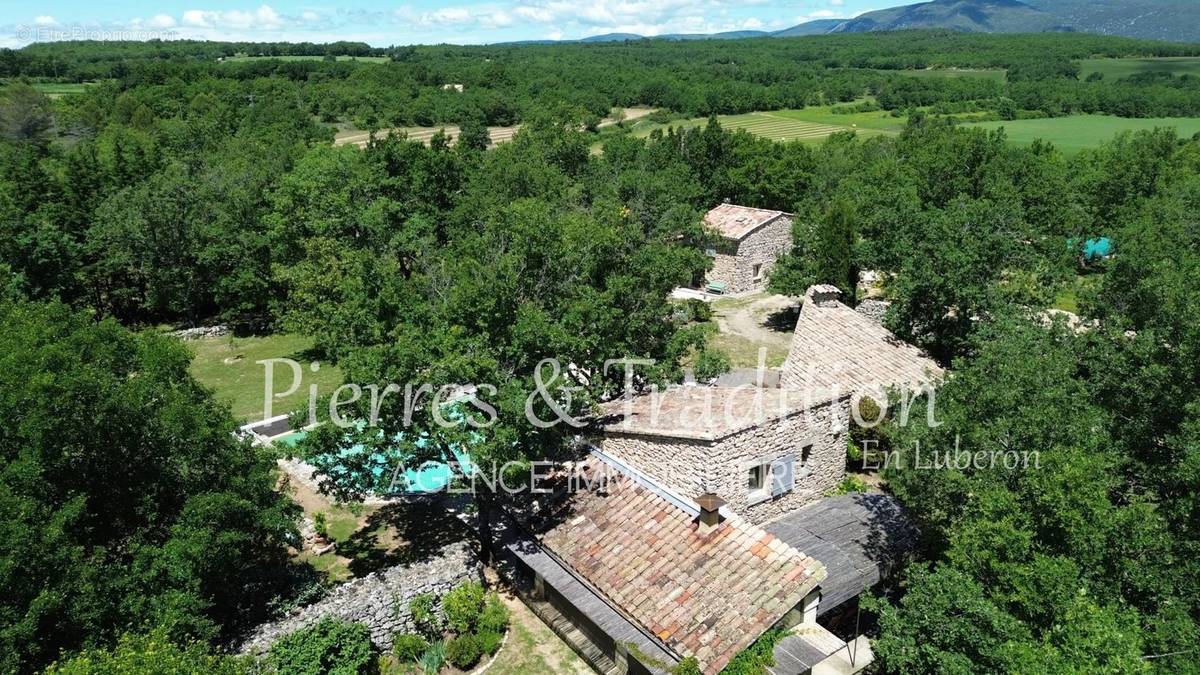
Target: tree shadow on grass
{"points": [[784, 320], [402, 532]]}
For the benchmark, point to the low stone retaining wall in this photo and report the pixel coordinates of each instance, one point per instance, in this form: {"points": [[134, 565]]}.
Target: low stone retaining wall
{"points": [[200, 333], [379, 601]]}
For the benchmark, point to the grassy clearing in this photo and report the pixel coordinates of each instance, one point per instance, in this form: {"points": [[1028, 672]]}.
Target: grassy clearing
{"points": [[1079, 132], [1068, 297], [811, 125], [227, 366], [1117, 68], [361, 59], [60, 89], [987, 74]]}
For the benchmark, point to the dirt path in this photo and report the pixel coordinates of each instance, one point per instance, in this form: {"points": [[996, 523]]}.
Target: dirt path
{"points": [[754, 322]]}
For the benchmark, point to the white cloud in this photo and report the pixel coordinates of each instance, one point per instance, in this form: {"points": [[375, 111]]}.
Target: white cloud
{"points": [[263, 18], [837, 3], [309, 15], [45, 21], [161, 21]]}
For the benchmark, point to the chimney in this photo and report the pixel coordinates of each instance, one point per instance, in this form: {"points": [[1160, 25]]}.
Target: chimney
{"points": [[710, 513], [824, 295]]}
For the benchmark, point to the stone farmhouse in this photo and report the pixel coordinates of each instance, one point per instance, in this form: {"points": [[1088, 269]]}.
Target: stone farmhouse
{"points": [[696, 519], [751, 240]]}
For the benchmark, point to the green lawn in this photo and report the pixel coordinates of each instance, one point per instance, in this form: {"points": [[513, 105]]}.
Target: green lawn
{"points": [[990, 74], [58, 89], [227, 366], [1118, 68], [1078, 132], [363, 59], [810, 125]]}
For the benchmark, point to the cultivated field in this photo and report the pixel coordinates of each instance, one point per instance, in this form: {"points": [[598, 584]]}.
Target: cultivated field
{"points": [[363, 59], [1113, 69], [1078, 132], [421, 134], [810, 125]]}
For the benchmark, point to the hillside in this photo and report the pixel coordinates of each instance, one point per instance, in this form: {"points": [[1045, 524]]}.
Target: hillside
{"points": [[818, 27], [972, 16], [1175, 20]]}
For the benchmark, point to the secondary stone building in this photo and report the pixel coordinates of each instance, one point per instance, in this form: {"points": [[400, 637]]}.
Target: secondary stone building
{"points": [[751, 240]]}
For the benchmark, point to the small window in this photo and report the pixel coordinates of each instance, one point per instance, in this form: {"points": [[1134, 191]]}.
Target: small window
{"points": [[758, 272], [757, 478], [805, 454]]}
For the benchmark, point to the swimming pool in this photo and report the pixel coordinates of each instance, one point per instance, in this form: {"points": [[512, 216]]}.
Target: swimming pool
{"points": [[431, 476]]}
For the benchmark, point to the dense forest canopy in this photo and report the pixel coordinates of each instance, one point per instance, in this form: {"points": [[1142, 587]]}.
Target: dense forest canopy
{"points": [[182, 190], [507, 84]]}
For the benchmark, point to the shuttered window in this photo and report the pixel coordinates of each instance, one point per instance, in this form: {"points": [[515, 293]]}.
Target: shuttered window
{"points": [[783, 475]]}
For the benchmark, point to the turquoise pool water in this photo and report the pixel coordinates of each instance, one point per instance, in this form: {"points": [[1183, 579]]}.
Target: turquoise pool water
{"points": [[431, 476]]}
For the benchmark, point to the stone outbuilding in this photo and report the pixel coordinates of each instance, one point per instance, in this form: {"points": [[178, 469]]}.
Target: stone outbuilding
{"points": [[751, 241]]}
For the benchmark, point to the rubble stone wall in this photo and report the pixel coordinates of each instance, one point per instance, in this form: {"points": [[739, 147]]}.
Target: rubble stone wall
{"points": [[379, 601]]}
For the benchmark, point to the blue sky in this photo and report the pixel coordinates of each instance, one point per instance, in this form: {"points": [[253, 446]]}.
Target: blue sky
{"points": [[404, 21]]}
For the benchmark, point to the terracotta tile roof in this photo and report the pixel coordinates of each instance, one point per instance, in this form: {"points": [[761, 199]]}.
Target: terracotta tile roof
{"points": [[735, 222], [705, 596], [707, 413], [835, 347]]}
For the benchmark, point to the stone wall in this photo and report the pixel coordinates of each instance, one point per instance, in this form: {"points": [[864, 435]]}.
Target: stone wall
{"points": [[822, 427], [380, 600], [200, 333], [679, 463], [724, 269], [693, 467]]}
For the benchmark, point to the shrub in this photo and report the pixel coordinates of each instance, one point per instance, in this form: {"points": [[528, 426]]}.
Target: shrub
{"points": [[755, 659], [153, 653], [425, 615], [409, 647], [699, 310], [329, 647], [851, 484], [489, 641], [494, 618], [463, 605], [463, 651], [321, 525], [433, 658], [711, 364], [688, 666]]}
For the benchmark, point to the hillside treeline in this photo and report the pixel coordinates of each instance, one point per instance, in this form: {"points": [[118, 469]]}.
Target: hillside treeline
{"points": [[507, 84]]}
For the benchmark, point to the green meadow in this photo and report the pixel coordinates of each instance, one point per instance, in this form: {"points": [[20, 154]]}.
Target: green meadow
{"points": [[1115, 69], [58, 89], [1079, 132], [811, 125]]}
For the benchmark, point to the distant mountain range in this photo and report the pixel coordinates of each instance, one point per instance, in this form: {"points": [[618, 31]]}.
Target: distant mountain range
{"points": [[1172, 20]]}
